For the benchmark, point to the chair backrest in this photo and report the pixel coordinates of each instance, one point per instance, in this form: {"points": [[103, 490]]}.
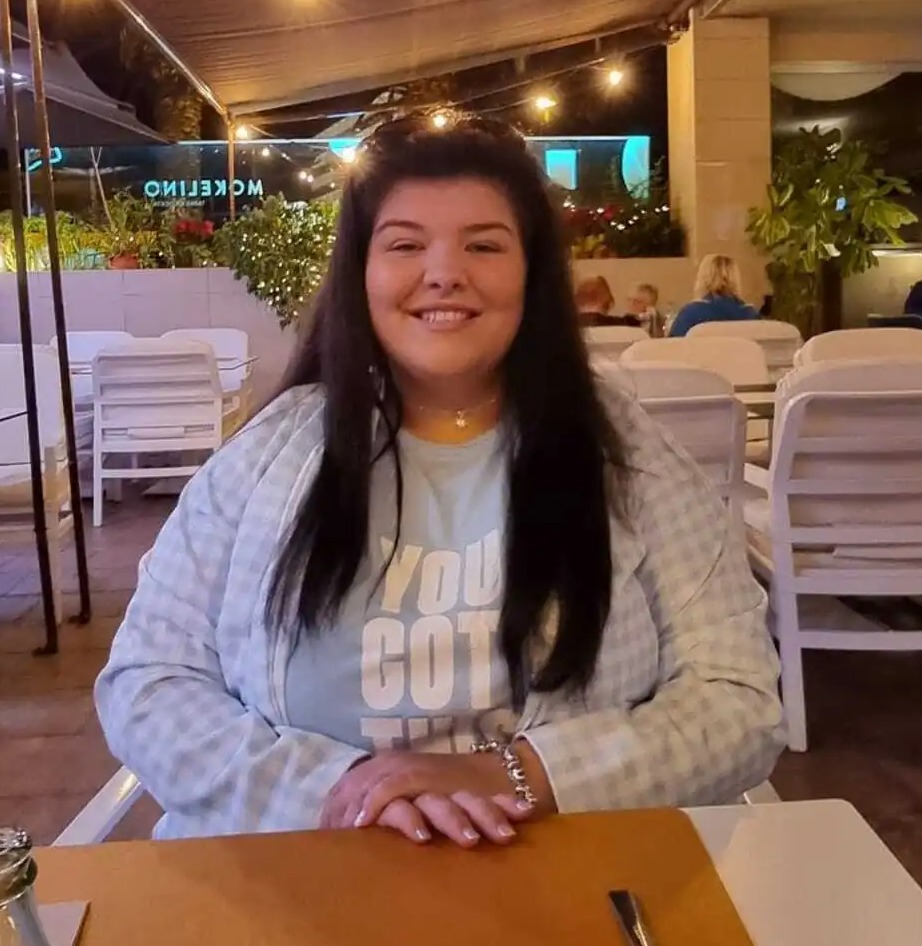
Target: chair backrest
{"points": [[229, 345], [852, 344], [740, 360], [163, 394], [14, 434], [610, 341], [895, 321], [845, 475], [702, 413], [82, 348], [780, 341]]}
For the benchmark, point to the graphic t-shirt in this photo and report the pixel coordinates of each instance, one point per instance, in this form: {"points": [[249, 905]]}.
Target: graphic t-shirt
{"points": [[413, 661]]}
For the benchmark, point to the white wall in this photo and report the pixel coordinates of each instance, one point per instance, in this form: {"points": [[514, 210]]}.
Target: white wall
{"points": [[148, 303], [673, 276]]}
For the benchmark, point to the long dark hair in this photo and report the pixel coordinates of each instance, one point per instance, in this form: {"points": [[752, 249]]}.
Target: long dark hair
{"points": [[565, 454]]}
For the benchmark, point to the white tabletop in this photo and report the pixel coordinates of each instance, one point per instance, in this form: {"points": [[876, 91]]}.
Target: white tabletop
{"points": [[811, 874]]}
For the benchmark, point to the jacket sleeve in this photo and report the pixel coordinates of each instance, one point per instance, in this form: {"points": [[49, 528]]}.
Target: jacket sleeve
{"points": [[712, 727], [166, 709]]}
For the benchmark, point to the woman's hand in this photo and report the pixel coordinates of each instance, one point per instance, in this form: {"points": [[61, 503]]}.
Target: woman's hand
{"points": [[464, 797]]}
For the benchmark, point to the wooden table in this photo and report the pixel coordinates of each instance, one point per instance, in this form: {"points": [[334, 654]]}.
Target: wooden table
{"points": [[799, 874]]}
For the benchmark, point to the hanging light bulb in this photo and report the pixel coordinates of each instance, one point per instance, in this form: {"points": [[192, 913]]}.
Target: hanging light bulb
{"points": [[242, 133], [439, 120], [545, 102], [265, 152], [615, 76]]}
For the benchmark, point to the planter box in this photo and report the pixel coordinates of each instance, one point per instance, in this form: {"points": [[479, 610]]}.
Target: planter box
{"points": [[149, 302]]}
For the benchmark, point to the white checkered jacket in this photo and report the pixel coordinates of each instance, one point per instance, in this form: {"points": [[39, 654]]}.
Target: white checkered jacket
{"points": [[683, 708]]}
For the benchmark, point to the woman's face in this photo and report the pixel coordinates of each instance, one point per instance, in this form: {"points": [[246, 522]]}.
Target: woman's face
{"points": [[445, 280]]}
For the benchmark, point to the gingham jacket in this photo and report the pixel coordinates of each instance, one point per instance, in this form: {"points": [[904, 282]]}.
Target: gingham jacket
{"points": [[683, 708]]}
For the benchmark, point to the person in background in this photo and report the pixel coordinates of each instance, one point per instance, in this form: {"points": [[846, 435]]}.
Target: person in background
{"points": [[594, 302], [641, 305], [913, 304], [719, 297], [449, 579]]}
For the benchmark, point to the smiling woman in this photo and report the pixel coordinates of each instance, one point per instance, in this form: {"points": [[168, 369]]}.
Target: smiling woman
{"points": [[447, 580]]}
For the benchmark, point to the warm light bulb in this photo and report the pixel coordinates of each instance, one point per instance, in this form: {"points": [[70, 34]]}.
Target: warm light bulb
{"points": [[439, 119], [348, 155], [545, 102], [265, 152], [241, 132], [615, 77]]}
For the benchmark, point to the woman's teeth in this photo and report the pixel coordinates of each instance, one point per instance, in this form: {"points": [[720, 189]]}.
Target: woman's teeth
{"points": [[444, 315]]}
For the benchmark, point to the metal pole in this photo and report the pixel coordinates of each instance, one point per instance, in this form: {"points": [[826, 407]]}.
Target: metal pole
{"points": [[231, 169], [46, 177], [25, 328]]}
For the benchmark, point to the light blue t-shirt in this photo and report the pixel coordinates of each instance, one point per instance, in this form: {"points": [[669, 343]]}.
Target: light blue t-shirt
{"points": [[418, 665]]}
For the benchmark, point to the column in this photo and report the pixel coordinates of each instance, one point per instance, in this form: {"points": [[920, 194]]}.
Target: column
{"points": [[720, 138]]}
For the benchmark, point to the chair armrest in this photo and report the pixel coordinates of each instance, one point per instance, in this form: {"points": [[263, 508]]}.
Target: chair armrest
{"points": [[103, 812]]}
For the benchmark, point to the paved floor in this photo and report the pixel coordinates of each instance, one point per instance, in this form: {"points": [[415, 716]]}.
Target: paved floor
{"points": [[865, 712]]}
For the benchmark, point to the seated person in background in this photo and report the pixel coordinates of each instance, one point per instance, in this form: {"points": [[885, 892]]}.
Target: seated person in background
{"points": [[719, 297], [594, 302], [641, 305], [913, 304]]}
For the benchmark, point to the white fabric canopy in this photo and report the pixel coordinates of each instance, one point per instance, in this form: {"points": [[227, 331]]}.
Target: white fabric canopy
{"points": [[267, 53]]}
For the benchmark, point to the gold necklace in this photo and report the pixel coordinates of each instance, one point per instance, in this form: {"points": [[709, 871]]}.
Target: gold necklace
{"points": [[461, 417]]}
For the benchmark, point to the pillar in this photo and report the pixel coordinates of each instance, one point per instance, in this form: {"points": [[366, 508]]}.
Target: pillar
{"points": [[720, 138]]}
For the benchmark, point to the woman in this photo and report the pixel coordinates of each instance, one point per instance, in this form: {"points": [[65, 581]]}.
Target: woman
{"points": [[719, 294], [594, 302], [442, 533]]}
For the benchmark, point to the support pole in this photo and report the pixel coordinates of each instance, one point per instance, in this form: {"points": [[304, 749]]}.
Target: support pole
{"points": [[46, 177], [231, 168], [14, 157]]}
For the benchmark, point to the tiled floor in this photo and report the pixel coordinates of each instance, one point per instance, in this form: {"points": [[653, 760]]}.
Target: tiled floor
{"points": [[865, 712]]}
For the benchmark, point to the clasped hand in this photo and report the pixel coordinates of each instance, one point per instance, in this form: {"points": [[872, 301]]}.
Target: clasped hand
{"points": [[464, 797]]}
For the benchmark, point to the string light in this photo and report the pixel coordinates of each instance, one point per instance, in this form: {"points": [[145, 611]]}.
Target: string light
{"points": [[265, 152], [348, 155], [545, 102], [615, 76], [242, 133], [439, 120]]}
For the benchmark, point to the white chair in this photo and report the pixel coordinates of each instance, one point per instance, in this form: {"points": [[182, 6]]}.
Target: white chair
{"points": [[703, 414], [740, 360], [154, 396], [231, 348], [861, 343], [610, 341], [779, 341], [17, 515], [82, 348], [842, 514], [103, 813]]}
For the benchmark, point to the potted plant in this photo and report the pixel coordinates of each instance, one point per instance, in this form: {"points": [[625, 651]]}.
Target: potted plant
{"points": [[828, 207], [129, 231]]}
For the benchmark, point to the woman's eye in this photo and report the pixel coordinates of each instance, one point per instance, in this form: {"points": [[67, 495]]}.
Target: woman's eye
{"points": [[403, 246], [485, 247]]}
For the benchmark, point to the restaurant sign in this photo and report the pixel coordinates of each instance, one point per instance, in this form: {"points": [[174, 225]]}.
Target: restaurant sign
{"points": [[201, 188]]}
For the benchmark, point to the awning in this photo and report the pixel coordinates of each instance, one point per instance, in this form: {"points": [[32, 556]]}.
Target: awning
{"points": [[267, 54], [79, 113]]}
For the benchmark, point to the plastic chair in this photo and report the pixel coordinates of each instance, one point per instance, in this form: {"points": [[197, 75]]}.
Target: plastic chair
{"points": [[154, 396], [859, 344], [840, 512], [779, 341], [17, 514], [610, 341]]}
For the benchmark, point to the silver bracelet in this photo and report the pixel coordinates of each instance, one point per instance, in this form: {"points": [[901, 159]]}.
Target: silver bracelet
{"points": [[513, 766]]}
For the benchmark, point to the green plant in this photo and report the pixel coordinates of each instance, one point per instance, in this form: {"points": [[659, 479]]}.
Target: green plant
{"points": [[79, 243], [281, 250], [130, 229], [635, 223], [828, 207]]}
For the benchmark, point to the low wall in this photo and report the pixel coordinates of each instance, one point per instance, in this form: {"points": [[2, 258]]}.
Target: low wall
{"points": [[149, 302]]}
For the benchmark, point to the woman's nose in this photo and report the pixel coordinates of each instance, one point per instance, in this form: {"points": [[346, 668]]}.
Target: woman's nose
{"points": [[444, 270]]}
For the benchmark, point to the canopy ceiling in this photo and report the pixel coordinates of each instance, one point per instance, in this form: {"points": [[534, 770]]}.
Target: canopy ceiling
{"points": [[268, 53], [79, 113], [898, 13]]}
